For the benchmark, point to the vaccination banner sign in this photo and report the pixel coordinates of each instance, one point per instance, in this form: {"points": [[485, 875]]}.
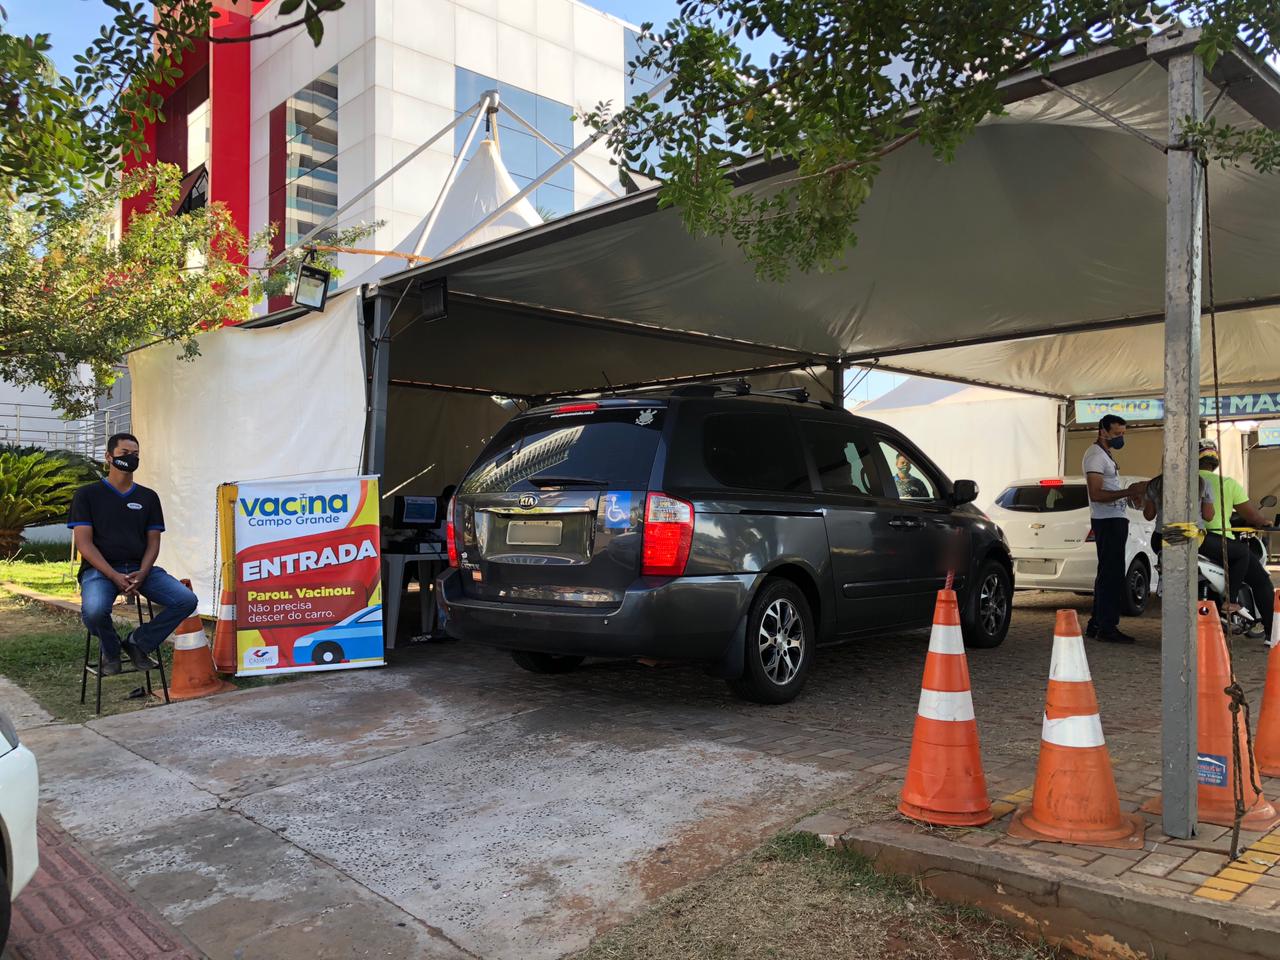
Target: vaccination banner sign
{"points": [[308, 576], [1269, 434]]}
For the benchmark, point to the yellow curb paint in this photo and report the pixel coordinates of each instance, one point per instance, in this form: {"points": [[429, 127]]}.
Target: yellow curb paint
{"points": [[1246, 864], [1210, 894], [1000, 807], [1240, 876], [1270, 843], [1230, 886], [1262, 856]]}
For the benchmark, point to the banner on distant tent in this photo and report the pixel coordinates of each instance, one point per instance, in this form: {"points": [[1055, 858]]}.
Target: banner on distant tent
{"points": [[308, 576], [1269, 434]]}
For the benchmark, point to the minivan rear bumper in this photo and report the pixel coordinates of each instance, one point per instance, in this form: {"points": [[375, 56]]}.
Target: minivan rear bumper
{"points": [[678, 618]]}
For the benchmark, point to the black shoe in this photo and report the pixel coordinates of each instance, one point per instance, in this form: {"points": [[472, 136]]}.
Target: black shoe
{"points": [[1115, 636], [1091, 630], [110, 668], [140, 660]]}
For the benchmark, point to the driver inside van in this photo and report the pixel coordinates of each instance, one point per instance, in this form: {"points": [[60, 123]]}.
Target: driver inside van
{"points": [[910, 487]]}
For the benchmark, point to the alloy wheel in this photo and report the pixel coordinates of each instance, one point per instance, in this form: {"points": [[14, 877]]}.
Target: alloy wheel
{"points": [[993, 604], [781, 641]]}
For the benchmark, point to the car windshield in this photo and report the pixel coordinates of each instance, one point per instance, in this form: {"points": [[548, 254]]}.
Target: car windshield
{"points": [[1045, 498]]}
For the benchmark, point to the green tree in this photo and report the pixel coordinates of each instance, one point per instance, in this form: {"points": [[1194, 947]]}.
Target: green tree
{"points": [[35, 488], [853, 82], [60, 133], [73, 295]]}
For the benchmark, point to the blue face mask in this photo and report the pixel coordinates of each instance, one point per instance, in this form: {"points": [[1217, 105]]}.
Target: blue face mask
{"points": [[1115, 443]]}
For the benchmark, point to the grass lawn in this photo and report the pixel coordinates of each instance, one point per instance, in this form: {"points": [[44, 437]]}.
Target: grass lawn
{"points": [[43, 568], [797, 900], [42, 651]]}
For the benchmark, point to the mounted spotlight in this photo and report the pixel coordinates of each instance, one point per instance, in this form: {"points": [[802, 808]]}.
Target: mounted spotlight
{"points": [[312, 287]]}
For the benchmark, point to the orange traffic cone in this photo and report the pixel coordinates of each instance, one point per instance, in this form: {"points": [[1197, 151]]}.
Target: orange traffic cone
{"points": [[224, 634], [1215, 797], [945, 784], [1266, 744], [1075, 798], [193, 674]]}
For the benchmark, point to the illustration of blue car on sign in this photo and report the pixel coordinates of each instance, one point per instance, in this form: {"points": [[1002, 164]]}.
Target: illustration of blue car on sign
{"points": [[358, 637]]}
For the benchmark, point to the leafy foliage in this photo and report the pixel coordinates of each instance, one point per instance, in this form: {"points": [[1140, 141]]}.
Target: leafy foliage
{"points": [[73, 296], [35, 488], [854, 82], [61, 133]]}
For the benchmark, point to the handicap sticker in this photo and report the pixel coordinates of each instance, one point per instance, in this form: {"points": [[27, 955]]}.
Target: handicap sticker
{"points": [[1211, 770], [617, 510]]}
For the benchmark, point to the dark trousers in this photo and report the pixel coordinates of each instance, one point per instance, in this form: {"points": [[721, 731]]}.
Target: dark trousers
{"points": [[1244, 567], [1110, 536]]}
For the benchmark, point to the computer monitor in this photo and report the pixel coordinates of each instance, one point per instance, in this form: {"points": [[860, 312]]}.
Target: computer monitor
{"points": [[416, 512]]}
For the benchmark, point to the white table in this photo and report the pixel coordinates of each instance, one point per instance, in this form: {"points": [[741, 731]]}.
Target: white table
{"points": [[393, 588]]}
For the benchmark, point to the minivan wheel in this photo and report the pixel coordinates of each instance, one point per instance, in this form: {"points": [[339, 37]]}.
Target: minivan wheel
{"points": [[545, 662], [779, 646], [1137, 588], [985, 622]]}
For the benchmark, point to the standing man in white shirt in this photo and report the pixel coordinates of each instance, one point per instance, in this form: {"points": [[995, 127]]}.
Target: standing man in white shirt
{"points": [[1108, 501]]}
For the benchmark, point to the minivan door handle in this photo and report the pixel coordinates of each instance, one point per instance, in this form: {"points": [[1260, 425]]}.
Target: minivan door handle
{"points": [[907, 523]]}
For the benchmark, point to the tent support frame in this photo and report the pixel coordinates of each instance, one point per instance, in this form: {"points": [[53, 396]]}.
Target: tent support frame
{"points": [[1184, 220]]}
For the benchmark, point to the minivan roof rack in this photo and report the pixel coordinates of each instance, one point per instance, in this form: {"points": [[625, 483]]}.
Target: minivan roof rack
{"points": [[741, 388]]}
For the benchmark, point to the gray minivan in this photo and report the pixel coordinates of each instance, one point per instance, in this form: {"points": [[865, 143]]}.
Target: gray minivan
{"points": [[739, 530]]}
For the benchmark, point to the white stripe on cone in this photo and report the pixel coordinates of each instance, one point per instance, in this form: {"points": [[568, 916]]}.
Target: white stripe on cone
{"points": [[227, 612], [193, 640], [946, 638], [1069, 662], [1073, 731], [947, 705]]}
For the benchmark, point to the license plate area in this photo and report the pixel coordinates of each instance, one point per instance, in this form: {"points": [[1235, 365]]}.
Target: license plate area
{"points": [[1037, 566], [534, 533]]}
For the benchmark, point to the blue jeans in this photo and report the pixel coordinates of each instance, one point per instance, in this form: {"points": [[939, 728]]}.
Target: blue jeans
{"points": [[97, 594]]}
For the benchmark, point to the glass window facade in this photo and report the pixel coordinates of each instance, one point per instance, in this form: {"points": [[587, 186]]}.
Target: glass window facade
{"points": [[523, 154], [311, 155]]}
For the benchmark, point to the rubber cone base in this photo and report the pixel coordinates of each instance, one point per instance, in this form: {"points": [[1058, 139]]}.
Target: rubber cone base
{"points": [[1125, 835], [1260, 819], [205, 690], [945, 818]]}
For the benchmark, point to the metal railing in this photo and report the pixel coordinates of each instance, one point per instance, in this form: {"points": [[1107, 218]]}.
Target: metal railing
{"points": [[37, 425]]}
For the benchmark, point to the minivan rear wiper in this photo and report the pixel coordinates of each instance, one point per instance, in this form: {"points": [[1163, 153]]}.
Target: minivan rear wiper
{"points": [[566, 482]]}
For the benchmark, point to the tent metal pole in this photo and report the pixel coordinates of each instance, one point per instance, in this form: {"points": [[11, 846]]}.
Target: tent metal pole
{"points": [[837, 384], [568, 158], [1184, 223], [379, 371], [555, 148], [408, 158], [487, 103]]}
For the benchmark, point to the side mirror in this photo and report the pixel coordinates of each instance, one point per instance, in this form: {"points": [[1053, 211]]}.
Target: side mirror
{"points": [[964, 491], [1268, 501]]}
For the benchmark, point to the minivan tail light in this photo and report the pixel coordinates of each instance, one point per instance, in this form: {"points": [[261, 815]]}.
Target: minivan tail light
{"points": [[577, 407], [1052, 483], [451, 535], [1090, 537], [668, 534]]}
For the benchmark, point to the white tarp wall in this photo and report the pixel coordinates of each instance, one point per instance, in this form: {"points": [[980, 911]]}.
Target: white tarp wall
{"points": [[275, 403], [991, 436]]}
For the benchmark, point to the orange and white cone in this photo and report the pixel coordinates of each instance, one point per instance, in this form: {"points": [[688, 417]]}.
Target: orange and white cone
{"points": [[945, 784], [224, 634], [1216, 728], [1075, 798], [1266, 743], [192, 671]]}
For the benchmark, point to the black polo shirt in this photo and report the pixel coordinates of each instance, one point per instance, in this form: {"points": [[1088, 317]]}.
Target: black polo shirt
{"points": [[120, 521]]}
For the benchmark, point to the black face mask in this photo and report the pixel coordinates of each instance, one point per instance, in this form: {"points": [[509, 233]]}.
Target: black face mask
{"points": [[128, 462], [1209, 463]]}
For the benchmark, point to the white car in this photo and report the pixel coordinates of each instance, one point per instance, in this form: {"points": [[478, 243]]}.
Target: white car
{"points": [[1046, 521], [19, 791]]}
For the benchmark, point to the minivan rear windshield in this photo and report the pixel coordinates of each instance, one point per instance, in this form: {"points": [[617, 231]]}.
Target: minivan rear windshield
{"points": [[611, 447], [1045, 499]]}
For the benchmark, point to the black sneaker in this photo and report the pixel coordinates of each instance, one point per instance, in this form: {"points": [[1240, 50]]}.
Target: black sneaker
{"points": [[1115, 636], [1091, 630], [140, 660], [110, 668]]}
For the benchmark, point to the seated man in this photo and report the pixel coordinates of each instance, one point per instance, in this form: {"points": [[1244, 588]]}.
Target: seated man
{"points": [[910, 487], [1230, 499], [116, 525]]}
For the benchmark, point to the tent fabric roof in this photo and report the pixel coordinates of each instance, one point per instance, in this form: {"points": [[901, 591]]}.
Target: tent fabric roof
{"points": [[1050, 220], [482, 185]]}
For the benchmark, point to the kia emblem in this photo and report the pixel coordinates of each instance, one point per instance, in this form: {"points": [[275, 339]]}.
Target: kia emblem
{"points": [[528, 500]]}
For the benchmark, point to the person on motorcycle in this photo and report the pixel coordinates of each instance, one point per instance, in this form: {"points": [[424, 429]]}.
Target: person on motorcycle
{"points": [[1243, 565]]}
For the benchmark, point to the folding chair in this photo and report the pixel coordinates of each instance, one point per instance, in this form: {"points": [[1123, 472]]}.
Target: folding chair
{"points": [[126, 665]]}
